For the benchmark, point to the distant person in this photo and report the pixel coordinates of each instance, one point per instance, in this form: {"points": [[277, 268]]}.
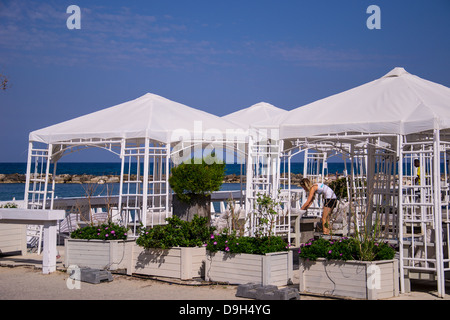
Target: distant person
{"points": [[417, 165], [329, 200]]}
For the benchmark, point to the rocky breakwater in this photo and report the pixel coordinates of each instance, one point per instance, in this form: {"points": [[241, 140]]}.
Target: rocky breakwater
{"points": [[63, 178], [91, 179], [94, 179], [12, 178]]}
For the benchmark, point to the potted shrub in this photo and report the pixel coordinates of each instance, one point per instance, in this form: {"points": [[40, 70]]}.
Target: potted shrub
{"points": [[349, 267], [103, 246], [193, 182], [263, 258], [175, 250], [239, 260]]}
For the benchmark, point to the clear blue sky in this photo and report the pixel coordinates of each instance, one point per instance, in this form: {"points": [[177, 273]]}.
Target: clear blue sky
{"points": [[218, 56]]}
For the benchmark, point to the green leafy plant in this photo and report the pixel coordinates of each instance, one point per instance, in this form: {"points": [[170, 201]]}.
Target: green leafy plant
{"points": [[176, 233], [345, 249], [196, 178], [106, 231], [339, 187], [253, 245], [9, 205], [265, 215]]}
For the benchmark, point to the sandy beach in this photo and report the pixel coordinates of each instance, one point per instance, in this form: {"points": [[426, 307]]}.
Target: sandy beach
{"points": [[21, 278], [28, 283]]}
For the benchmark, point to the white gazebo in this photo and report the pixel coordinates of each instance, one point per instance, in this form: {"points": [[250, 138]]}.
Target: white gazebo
{"points": [[381, 127], [149, 134], [263, 156], [262, 114]]}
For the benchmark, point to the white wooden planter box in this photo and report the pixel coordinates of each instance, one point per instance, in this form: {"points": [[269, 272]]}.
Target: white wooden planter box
{"points": [[180, 262], [97, 254], [354, 279], [13, 238], [269, 269]]}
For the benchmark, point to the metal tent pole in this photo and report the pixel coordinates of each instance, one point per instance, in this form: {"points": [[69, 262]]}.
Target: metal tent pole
{"points": [[145, 182], [400, 211], [27, 183], [122, 168], [438, 214]]}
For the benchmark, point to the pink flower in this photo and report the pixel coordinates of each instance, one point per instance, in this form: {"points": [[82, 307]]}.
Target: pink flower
{"points": [[113, 232], [215, 242], [212, 236], [106, 235], [227, 249], [329, 251]]}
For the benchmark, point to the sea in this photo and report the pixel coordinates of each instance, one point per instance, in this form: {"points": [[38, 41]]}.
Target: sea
{"points": [[10, 191]]}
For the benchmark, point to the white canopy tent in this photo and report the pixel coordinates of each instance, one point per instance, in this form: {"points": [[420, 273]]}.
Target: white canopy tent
{"points": [[262, 114], [149, 134], [263, 150], [398, 103], [149, 116], [382, 127]]}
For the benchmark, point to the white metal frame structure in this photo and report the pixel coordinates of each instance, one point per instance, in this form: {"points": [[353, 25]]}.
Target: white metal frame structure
{"points": [[146, 133], [263, 178], [145, 196], [383, 194], [386, 123], [423, 219], [37, 187]]}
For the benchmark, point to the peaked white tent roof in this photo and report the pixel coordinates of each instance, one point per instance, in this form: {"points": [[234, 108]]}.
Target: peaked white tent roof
{"points": [[150, 116], [260, 114], [398, 103]]}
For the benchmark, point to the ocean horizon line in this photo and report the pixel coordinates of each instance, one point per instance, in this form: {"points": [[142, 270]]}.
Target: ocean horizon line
{"points": [[113, 168]]}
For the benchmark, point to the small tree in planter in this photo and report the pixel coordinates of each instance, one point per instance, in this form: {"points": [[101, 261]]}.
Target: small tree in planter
{"points": [[264, 240], [175, 250], [264, 258], [239, 260], [193, 182], [265, 215]]}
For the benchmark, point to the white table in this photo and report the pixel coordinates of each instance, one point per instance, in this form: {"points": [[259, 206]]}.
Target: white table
{"points": [[49, 219]]}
